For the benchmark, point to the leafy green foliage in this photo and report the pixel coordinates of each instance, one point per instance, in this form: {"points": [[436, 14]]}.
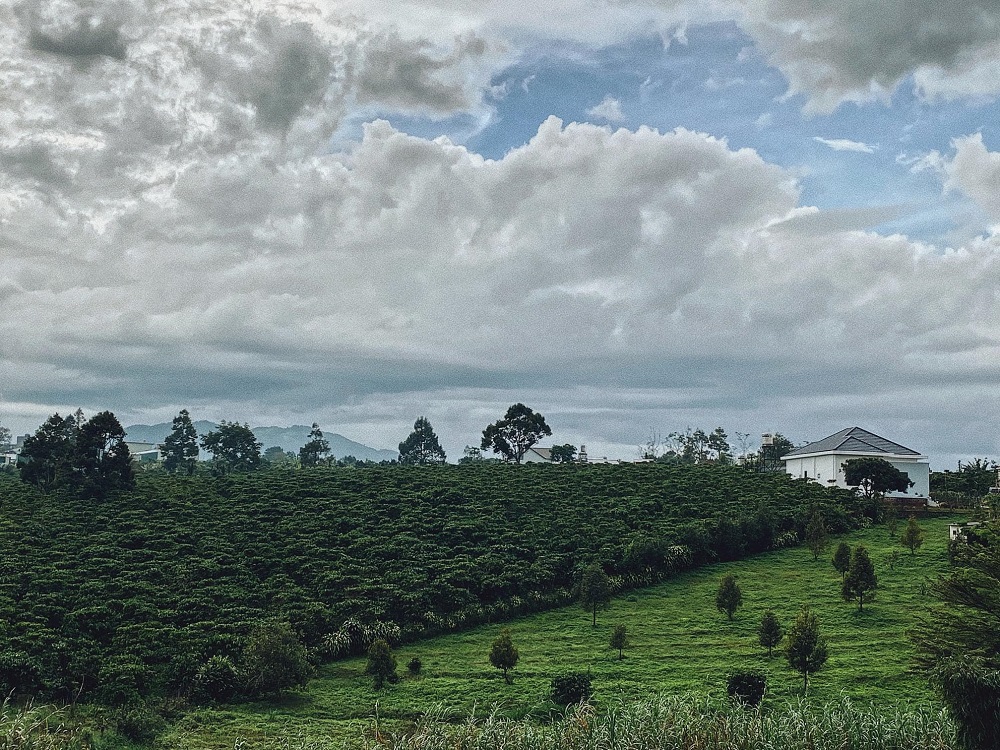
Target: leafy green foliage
{"points": [[913, 535], [180, 569], [317, 450], [233, 446], [563, 454], [817, 538], [959, 643], [619, 640], [86, 457], [729, 597], [770, 632], [874, 476], [971, 691], [217, 681], [180, 448], [511, 436], [273, 660], [842, 559], [570, 688], [421, 446], [860, 582], [503, 654], [806, 649], [595, 590], [747, 686], [965, 486], [381, 665]]}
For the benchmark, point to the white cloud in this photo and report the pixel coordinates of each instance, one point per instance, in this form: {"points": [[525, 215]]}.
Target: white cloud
{"points": [[610, 110], [975, 171], [842, 144]]}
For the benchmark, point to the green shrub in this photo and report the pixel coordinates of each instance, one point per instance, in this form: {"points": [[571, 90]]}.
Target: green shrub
{"points": [[139, 724], [572, 687], [747, 686], [414, 665], [217, 680]]}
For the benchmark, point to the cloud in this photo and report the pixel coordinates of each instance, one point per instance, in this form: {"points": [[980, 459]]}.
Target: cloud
{"points": [[405, 73], [177, 234], [610, 110], [859, 51], [76, 29], [842, 144], [974, 171]]}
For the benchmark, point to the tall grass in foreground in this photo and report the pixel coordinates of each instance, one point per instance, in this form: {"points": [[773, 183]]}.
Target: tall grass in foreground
{"points": [[41, 728], [669, 723], [678, 723]]}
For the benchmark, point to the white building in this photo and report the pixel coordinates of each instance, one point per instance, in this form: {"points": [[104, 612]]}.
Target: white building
{"points": [[537, 456], [823, 460]]}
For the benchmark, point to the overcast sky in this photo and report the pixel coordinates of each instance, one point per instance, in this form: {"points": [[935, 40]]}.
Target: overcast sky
{"points": [[632, 216]]}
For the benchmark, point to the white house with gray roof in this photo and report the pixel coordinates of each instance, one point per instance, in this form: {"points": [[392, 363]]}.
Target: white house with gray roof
{"points": [[823, 460]]}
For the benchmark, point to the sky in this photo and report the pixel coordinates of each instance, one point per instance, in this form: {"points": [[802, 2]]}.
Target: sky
{"points": [[634, 216]]}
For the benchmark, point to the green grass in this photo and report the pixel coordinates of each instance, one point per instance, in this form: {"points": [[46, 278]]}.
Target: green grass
{"points": [[680, 644]]}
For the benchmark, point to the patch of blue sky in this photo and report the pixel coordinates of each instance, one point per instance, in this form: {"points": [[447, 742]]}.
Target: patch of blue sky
{"points": [[718, 82]]}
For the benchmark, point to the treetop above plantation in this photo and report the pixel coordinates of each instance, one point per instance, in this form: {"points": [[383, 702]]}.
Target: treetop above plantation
{"points": [[234, 446], [88, 456], [421, 446], [511, 436]]}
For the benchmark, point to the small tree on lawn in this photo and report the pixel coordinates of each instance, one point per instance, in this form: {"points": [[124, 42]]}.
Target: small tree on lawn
{"points": [[806, 648], [274, 659], [595, 590], [816, 536], [891, 518], [729, 598], [842, 559], [860, 581], [619, 640], [503, 654], [770, 632], [381, 665], [913, 535]]}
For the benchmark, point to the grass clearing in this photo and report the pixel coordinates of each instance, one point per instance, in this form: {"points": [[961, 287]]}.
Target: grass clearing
{"points": [[680, 643]]}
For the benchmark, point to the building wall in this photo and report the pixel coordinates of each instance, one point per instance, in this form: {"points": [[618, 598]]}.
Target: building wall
{"points": [[823, 467]]}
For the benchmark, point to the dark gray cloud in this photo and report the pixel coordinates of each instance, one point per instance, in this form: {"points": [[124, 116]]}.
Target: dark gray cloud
{"points": [[406, 74], [76, 29]]}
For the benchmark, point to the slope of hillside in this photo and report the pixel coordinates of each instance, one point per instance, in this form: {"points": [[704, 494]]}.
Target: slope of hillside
{"points": [[141, 589], [680, 645]]}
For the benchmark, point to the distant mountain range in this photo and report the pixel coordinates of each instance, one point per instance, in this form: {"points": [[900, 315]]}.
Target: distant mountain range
{"points": [[287, 438]]}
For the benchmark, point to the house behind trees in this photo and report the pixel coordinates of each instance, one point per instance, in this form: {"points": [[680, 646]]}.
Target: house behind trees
{"points": [[823, 460]]}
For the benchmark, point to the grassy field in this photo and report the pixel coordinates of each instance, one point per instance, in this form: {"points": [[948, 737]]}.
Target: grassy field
{"points": [[680, 644]]}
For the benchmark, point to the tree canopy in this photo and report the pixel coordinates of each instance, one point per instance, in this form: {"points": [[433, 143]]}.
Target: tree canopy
{"points": [[874, 476], [513, 435], [503, 654], [595, 590], [421, 446], [860, 582], [805, 648], [234, 446], [563, 454], [180, 448], [88, 456], [959, 644], [729, 597], [316, 450]]}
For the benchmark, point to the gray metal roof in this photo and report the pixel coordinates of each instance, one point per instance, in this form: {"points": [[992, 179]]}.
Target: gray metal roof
{"points": [[853, 440]]}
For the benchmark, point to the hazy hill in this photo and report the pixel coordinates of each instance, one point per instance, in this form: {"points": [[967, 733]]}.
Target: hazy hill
{"points": [[288, 438]]}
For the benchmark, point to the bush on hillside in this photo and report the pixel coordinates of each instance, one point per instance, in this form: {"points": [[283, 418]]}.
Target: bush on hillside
{"points": [[572, 687]]}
